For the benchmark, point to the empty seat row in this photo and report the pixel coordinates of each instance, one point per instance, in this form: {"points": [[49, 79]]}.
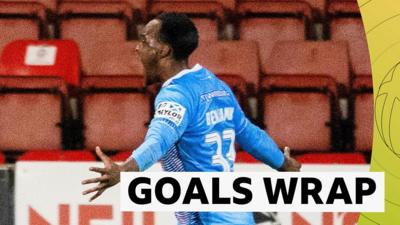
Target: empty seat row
{"points": [[226, 58], [302, 74], [265, 22], [40, 79], [143, 5], [112, 109], [307, 119]]}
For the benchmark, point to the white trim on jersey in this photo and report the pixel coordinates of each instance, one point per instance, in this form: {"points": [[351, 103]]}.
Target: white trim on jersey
{"points": [[182, 73]]}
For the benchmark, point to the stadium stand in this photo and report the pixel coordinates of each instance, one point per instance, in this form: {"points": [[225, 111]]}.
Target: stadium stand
{"points": [[34, 82], [267, 22], [21, 20], [346, 25], [57, 155], [331, 158], [115, 105], [294, 69], [207, 15], [298, 92], [363, 113], [87, 22], [300, 87]]}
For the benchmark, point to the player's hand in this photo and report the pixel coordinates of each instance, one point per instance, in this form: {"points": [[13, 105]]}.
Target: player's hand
{"points": [[290, 164], [109, 176]]}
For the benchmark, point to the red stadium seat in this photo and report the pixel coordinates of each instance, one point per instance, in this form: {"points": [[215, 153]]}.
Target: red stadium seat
{"points": [[298, 113], [65, 64], [363, 113], [87, 22], [33, 88], [331, 158], [267, 22], [310, 58], [21, 20], [277, 7], [229, 57], [112, 58], [57, 155], [139, 6], [115, 106], [299, 120], [30, 120], [346, 25], [352, 31], [207, 15], [115, 120]]}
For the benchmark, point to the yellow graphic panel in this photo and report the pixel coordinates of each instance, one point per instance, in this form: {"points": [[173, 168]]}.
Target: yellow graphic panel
{"points": [[381, 20]]}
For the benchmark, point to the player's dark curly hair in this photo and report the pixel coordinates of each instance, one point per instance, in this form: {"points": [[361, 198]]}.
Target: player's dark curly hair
{"points": [[179, 32]]}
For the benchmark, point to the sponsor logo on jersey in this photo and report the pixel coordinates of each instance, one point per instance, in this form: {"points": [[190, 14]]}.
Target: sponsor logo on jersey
{"points": [[171, 111], [210, 95]]}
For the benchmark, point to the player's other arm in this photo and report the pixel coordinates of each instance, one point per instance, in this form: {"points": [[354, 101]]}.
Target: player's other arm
{"points": [[260, 145], [158, 140]]}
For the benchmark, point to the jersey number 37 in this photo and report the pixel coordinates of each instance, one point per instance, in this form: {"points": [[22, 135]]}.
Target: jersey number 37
{"points": [[219, 158]]}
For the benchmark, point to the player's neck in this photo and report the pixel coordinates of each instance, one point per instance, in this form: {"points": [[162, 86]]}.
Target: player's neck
{"points": [[171, 68]]}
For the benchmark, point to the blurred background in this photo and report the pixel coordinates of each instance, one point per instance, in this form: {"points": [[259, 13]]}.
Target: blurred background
{"points": [[70, 78]]}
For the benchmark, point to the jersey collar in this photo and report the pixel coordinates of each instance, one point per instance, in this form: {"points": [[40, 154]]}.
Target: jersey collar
{"points": [[182, 73]]}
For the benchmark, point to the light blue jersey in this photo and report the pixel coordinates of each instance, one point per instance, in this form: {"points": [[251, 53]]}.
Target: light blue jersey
{"points": [[196, 123]]}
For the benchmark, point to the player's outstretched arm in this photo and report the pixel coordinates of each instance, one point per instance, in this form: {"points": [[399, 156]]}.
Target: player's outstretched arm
{"points": [[290, 164], [261, 146], [109, 175]]}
